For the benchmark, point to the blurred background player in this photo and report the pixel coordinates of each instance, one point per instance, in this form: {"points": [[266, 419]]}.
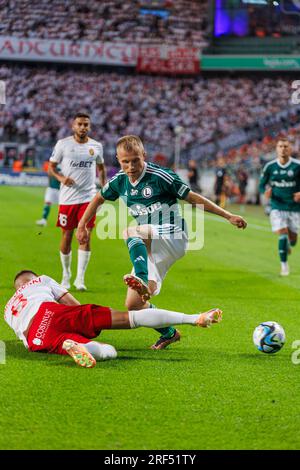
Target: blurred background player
{"points": [[281, 177], [51, 196], [151, 192], [220, 192], [242, 179], [193, 176], [78, 157], [47, 318]]}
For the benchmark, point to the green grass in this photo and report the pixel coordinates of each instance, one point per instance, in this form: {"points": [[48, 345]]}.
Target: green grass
{"points": [[213, 390]]}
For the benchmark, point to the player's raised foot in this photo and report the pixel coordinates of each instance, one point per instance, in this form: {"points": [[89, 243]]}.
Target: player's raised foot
{"points": [[163, 342], [138, 285], [285, 270], [206, 319], [41, 222], [66, 281], [79, 353], [79, 284]]}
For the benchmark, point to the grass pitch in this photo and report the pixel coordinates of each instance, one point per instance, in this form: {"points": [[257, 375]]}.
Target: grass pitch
{"points": [[213, 390]]}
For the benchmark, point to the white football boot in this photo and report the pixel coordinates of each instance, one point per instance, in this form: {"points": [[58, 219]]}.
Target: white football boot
{"points": [[285, 270], [66, 280], [41, 222], [79, 284]]}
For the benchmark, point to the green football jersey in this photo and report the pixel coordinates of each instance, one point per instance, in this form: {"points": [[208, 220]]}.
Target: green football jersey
{"points": [[284, 181], [53, 183], [152, 199]]}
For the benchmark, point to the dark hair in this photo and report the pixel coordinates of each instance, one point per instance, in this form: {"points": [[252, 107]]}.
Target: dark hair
{"points": [[82, 115], [20, 273]]}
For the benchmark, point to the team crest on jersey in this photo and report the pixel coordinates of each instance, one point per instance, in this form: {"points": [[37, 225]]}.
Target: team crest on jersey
{"points": [[91, 152], [290, 173], [147, 192]]}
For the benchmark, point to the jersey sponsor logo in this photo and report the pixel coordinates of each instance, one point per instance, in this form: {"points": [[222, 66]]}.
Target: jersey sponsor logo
{"points": [[138, 209], [74, 164], [37, 341], [283, 184], [181, 190], [147, 192], [43, 326]]}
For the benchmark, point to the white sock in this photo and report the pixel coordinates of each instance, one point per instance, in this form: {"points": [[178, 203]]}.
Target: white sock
{"points": [[82, 262], [66, 263], [101, 350], [157, 318]]}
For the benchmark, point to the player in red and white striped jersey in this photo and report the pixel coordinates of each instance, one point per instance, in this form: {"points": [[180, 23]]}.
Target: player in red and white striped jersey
{"points": [[78, 157], [47, 318]]}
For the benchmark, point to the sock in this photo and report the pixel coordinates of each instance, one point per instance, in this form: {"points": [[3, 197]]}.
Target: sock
{"points": [[167, 332], [66, 263], [153, 318], [46, 211], [283, 245], [139, 257], [82, 262], [101, 351], [293, 242]]}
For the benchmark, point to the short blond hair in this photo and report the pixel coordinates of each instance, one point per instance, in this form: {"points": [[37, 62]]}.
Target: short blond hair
{"points": [[131, 144]]}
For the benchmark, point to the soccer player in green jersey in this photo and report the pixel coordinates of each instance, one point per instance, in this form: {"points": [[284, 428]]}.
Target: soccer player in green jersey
{"points": [[160, 238], [51, 197], [281, 177]]}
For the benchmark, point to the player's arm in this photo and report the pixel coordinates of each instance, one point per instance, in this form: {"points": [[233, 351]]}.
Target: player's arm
{"points": [[52, 171], [68, 299], [263, 182], [209, 206], [90, 212], [102, 174]]}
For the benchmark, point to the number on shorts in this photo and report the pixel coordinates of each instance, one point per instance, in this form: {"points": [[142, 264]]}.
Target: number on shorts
{"points": [[63, 219]]}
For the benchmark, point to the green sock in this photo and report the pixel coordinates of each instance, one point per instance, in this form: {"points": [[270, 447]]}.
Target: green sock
{"points": [[139, 257], [283, 245], [46, 211], [168, 331], [293, 242]]}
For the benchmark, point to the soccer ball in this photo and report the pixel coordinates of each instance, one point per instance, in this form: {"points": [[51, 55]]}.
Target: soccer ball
{"points": [[269, 337]]}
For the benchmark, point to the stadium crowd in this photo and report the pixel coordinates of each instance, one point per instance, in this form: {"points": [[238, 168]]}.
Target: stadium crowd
{"points": [[41, 103], [108, 20]]}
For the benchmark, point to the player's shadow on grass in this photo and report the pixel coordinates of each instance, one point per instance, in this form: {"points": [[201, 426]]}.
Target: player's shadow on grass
{"points": [[16, 350]]}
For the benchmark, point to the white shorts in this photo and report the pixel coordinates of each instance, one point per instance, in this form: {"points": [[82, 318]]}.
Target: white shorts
{"points": [[285, 219], [51, 195], [165, 250]]}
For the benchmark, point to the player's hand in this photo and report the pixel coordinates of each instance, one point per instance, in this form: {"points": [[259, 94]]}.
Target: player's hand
{"points": [[268, 193], [82, 235], [296, 197], [238, 221], [68, 181]]}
